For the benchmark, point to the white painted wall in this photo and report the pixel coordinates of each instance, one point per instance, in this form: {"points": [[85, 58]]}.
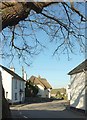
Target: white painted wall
{"points": [[41, 91], [77, 98], [7, 84], [20, 85], [68, 89], [47, 93], [44, 93]]}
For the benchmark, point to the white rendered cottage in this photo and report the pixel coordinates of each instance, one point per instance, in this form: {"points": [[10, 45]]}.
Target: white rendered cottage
{"points": [[78, 87], [47, 87], [13, 85], [43, 85]]}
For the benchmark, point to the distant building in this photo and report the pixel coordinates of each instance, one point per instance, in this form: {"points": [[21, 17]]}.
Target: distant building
{"points": [[13, 85], [43, 85], [78, 79]]}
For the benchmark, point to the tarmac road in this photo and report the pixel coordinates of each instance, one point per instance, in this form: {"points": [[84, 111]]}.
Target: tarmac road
{"points": [[54, 109]]}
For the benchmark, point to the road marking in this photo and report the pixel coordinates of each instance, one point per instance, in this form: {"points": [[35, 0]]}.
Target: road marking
{"points": [[25, 117]]}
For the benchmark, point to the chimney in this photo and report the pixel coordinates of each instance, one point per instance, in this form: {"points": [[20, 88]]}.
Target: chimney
{"points": [[24, 75], [12, 69], [22, 72]]}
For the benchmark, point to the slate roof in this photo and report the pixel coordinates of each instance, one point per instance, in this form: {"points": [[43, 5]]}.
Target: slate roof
{"points": [[79, 68], [41, 81], [12, 73]]}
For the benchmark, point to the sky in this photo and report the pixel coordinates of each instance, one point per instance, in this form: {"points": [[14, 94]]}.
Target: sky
{"points": [[54, 68]]}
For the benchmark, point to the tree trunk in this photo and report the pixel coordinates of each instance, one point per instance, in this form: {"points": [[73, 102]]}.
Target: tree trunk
{"points": [[12, 13]]}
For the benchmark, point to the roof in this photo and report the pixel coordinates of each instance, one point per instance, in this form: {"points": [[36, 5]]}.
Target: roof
{"points": [[45, 83], [12, 73], [79, 68], [41, 81], [35, 81]]}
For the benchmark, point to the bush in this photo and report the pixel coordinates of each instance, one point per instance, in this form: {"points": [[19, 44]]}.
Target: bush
{"points": [[31, 89]]}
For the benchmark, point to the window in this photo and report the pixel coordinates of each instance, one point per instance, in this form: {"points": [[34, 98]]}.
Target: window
{"points": [[15, 84], [15, 96], [22, 85], [6, 94], [19, 84]]}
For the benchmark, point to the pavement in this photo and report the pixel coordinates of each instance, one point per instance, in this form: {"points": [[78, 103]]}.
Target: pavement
{"points": [[54, 109]]}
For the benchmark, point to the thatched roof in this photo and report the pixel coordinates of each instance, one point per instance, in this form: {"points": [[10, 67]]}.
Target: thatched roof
{"points": [[79, 68], [12, 73], [45, 83], [41, 81], [35, 81]]}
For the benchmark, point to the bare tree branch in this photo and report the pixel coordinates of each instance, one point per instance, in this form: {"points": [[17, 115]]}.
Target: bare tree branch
{"points": [[56, 19]]}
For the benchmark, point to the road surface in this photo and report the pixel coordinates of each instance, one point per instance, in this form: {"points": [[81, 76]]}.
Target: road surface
{"points": [[54, 109]]}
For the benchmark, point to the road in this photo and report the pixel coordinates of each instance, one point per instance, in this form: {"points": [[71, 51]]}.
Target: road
{"points": [[54, 109]]}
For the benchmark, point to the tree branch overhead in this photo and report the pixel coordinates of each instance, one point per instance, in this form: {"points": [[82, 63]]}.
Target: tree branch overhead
{"points": [[56, 19], [12, 13]]}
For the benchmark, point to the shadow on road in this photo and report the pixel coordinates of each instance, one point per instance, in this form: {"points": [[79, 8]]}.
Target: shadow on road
{"points": [[31, 100], [65, 113]]}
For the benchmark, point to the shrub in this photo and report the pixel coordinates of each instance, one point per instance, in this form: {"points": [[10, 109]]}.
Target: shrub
{"points": [[31, 89]]}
